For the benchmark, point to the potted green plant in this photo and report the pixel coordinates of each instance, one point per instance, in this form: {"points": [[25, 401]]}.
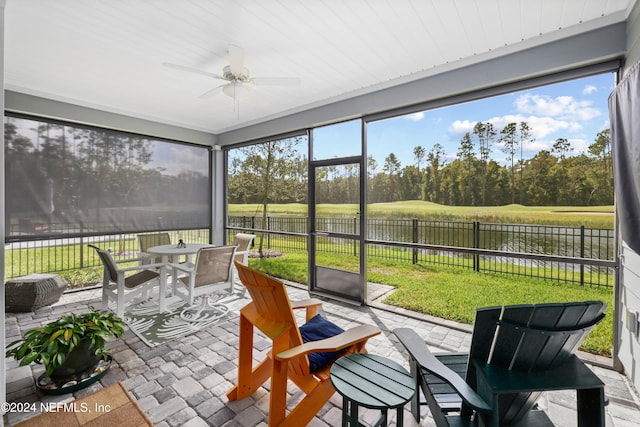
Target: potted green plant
{"points": [[69, 345]]}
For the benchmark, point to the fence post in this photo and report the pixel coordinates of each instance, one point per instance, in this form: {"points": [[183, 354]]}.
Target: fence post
{"points": [[307, 229], [582, 255], [81, 246], [414, 238], [476, 245], [268, 225], [355, 231]]}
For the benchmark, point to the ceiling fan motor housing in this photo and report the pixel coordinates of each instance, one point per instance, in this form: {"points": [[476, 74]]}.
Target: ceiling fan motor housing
{"points": [[242, 77]]}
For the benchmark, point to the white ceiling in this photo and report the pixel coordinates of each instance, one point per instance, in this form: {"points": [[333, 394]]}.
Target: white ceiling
{"points": [[109, 54]]}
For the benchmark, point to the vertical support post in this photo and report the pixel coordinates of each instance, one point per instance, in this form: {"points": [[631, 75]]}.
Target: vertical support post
{"points": [[582, 255], [81, 244], [355, 231], [268, 227], [476, 245], [414, 238]]}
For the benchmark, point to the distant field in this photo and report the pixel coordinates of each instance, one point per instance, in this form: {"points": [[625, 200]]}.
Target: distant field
{"points": [[589, 216]]}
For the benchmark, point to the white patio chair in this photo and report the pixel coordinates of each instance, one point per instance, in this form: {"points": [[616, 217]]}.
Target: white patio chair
{"points": [[243, 242], [147, 241], [209, 278], [119, 287]]}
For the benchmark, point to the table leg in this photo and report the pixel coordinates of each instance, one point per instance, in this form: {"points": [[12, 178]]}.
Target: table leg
{"points": [[163, 289], [415, 400], [345, 412], [591, 407], [353, 414], [174, 281], [382, 422]]}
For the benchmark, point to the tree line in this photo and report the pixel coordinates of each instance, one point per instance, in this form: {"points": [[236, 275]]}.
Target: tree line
{"points": [[276, 173], [549, 178], [69, 174]]}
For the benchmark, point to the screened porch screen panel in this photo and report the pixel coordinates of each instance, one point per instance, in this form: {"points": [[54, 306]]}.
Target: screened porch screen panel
{"points": [[63, 179]]}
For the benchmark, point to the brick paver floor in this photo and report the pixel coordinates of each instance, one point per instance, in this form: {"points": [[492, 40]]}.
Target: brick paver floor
{"points": [[184, 382]]}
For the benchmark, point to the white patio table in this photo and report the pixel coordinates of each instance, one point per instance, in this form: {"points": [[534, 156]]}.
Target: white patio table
{"points": [[172, 253]]}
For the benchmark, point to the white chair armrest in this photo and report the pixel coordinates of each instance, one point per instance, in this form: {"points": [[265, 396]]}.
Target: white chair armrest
{"points": [[244, 255], [144, 267], [124, 261], [186, 268]]}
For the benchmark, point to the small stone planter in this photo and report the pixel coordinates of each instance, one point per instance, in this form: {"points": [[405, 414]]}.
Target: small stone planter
{"points": [[28, 293]]}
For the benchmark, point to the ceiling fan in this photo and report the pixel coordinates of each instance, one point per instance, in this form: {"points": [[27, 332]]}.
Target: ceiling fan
{"points": [[238, 78]]}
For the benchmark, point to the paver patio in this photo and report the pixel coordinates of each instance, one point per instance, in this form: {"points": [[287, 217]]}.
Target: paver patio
{"points": [[184, 382]]}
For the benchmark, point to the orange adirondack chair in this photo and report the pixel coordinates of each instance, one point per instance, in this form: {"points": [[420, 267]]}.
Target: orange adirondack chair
{"points": [[271, 312]]}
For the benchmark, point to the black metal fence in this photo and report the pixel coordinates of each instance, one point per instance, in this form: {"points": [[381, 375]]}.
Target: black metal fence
{"points": [[111, 222], [570, 254], [54, 255]]}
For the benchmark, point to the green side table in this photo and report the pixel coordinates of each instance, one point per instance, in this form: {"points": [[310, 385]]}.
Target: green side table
{"points": [[374, 382]]}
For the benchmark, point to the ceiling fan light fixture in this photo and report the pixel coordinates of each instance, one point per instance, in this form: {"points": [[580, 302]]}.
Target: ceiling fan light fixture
{"points": [[236, 91]]}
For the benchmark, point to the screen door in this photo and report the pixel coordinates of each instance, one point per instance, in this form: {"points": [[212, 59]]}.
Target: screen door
{"points": [[336, 261]]}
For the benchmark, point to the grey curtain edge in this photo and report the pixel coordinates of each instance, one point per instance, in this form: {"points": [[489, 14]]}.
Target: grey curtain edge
{"points": [[624, 116]]}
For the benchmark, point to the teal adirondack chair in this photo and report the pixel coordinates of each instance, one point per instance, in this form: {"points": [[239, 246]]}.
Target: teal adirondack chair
{"points": [[517, 352]]}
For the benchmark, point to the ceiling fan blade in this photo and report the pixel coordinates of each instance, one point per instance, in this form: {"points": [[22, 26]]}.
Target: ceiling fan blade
{"points": [[276, 81], [210, 93], [236, 59], [192, 70]]}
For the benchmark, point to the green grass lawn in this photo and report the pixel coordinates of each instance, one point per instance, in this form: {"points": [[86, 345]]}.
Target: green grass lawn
{"points": [[454, 294], [589, 216], [443, 291]]}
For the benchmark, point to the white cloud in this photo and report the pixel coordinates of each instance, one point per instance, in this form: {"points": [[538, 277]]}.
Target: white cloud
{"points": [[548, 117], [540, 126], [460, 127], [183, 159], [501, 121], [578, 146], [536, 146], [415, 117], [565, 107], [543, 126]]}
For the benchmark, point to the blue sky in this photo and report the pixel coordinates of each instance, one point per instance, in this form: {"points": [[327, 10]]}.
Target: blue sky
{"points": [[575, 110]]}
